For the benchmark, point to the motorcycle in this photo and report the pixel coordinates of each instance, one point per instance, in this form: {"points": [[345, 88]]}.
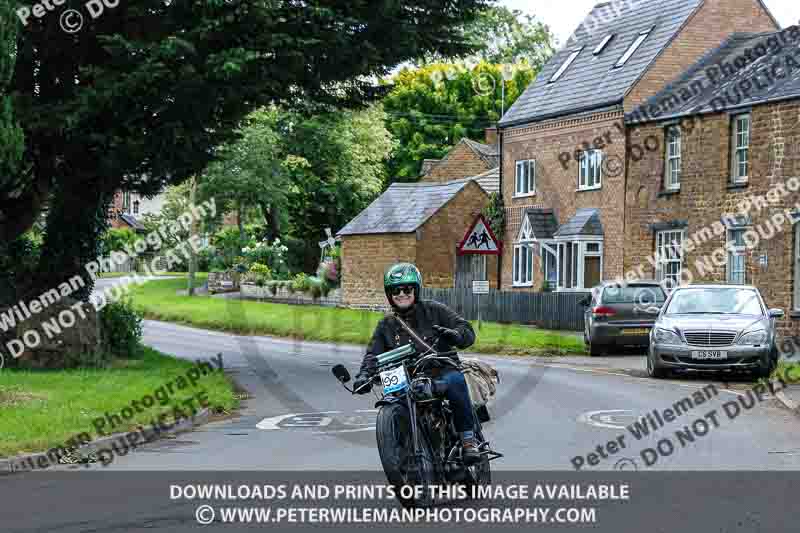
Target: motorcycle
{"points": [[416, 436]]}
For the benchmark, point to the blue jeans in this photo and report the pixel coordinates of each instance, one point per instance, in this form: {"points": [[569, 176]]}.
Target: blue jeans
{"points": [[457, 394]]}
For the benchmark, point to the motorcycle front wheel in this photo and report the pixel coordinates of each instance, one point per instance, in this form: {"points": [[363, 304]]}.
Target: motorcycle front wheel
{"points": [[396, 449]]}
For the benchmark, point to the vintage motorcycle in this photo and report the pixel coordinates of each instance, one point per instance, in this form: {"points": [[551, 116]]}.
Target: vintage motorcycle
{"points": [[417, 440]]}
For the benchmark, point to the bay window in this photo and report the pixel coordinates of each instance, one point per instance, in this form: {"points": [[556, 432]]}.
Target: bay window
{"points": [[579, 264]]}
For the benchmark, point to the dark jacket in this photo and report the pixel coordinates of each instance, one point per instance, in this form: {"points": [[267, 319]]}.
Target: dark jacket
{"points": [[389, 334]]}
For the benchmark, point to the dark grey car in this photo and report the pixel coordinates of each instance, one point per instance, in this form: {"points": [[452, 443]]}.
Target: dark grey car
{"points": [[621, 315], [714, 327]]}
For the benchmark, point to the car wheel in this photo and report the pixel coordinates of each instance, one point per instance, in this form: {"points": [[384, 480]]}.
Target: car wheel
{"points": [[653, 370], [765, 371], [595, 350]]}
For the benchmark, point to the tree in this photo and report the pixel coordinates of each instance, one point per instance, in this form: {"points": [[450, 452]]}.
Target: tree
{"points": [[505, 36], [431, 108], [141, 95], [251, 172], [11, 137], [337, 164]]}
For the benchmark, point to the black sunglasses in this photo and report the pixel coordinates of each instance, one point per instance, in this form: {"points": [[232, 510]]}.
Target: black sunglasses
{"points": [[407, 289]]}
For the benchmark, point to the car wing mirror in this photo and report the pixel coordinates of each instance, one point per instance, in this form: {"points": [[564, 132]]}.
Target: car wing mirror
{"points": [[776, 313]]}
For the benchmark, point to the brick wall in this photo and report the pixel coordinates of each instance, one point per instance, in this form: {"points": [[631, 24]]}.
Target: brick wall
{"points": [[460, 162], [557, 181], [712, 24], [705, 196], [441, 234], [365, 258]]}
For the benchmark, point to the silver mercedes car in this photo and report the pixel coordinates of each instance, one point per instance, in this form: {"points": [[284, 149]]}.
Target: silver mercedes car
{"points": [[714, 327]]}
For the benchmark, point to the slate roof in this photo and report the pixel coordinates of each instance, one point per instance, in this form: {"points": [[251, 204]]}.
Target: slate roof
{"points": [[403, 207], [543, 222], [489, 154], [696, 92], [592, 82], [585, 222], [489, 181], [132, 222]]}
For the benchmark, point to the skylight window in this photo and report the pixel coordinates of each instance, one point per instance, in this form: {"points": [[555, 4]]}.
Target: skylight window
{"points": [[602, 44], [566, 64], [636, 44]]}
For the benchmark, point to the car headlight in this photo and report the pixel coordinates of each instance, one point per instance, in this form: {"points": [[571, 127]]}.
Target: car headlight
{"points": [[754, 337], [665, 336]]}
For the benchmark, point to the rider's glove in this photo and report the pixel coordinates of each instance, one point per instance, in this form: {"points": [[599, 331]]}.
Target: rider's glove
{"points": [[362, 381], [450, 336]]}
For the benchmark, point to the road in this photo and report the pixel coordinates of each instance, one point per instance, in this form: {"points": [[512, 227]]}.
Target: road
{"points": [[546, 413]]}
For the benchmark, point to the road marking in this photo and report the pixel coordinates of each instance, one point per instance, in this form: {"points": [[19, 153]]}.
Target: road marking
{"points": [[605, 418], [317, 420], [271, 423]]}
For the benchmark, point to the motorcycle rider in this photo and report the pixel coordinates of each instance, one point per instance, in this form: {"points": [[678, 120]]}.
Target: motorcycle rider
{"points": [[402, 284]]}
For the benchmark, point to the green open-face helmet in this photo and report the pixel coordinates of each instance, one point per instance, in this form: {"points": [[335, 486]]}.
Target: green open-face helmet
{"points": [[402, 274]]}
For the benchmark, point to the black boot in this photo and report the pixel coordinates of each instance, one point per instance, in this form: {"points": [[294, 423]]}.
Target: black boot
{"points": [[469, 451]]}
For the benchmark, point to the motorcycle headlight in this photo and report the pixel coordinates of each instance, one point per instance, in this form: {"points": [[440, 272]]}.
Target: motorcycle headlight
{"points": [[665, 336], [754, 337]]}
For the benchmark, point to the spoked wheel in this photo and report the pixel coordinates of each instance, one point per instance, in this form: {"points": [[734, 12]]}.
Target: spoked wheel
{"points": [[396, 449]]}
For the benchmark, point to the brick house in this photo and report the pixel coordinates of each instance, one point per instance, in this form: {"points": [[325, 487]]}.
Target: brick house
{"points": [[422, 223], [565, 144], [719, 201]]}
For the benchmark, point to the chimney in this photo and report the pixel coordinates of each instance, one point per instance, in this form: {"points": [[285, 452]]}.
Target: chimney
{"points": [[491, 136]]}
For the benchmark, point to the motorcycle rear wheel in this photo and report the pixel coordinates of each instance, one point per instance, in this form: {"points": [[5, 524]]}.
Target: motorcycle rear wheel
{"points": [[396, 449]]}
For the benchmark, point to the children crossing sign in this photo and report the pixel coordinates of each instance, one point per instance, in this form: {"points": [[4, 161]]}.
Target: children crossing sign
{"points": [[480, 239]]}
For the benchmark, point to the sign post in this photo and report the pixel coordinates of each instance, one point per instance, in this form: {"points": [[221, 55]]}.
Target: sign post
{"points": [[480, 287], [479, 239]]}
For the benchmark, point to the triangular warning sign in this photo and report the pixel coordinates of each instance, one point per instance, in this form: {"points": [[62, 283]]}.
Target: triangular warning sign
{"points": [[480, 239]]}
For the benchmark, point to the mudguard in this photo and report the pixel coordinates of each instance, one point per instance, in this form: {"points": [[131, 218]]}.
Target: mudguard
{"points": [[388, 400]]}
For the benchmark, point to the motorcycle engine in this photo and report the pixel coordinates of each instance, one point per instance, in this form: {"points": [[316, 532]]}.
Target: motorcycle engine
{"points": [[422, 389]]}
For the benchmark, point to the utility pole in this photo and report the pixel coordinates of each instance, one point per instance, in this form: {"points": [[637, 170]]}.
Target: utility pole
{"points": [[193, 237]]}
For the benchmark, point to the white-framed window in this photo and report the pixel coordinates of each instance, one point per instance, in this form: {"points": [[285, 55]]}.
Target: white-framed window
{"points": [[797, 267], [579, 264], [736, 257], [633, 47], [566, 64], [672, 174], [590, 170], [550, 264], [740, 148], [523, 265], [669, 257], [126, 201], [525, 178], [136, 207]]}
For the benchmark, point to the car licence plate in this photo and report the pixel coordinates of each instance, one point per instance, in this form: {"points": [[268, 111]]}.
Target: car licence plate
{"points": [[394, 380], [636, 331], [709, 354]]}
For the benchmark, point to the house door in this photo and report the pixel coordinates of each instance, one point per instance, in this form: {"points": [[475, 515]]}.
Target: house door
{"points": [[469, 268]]}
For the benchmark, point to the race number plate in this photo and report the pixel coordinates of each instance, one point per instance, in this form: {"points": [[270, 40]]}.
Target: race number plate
{"points": [[394, 380], [709, 354]]}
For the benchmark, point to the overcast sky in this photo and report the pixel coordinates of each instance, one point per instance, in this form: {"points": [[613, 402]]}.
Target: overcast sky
{"points": [[563, 20]]}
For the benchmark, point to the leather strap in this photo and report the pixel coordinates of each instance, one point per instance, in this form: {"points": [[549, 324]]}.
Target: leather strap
{"points": [[412, 332]]}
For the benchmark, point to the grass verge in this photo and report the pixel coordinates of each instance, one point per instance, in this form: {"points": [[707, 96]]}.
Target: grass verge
{"points": [[158, 301], [787, 372], [108, 275], [43, 409]]}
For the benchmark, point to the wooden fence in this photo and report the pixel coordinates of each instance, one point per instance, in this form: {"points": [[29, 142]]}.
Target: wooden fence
{"points": [[549, 310]]}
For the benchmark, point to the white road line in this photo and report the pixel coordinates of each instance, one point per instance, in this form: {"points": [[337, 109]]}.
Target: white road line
{"points": [[372, 428]]}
